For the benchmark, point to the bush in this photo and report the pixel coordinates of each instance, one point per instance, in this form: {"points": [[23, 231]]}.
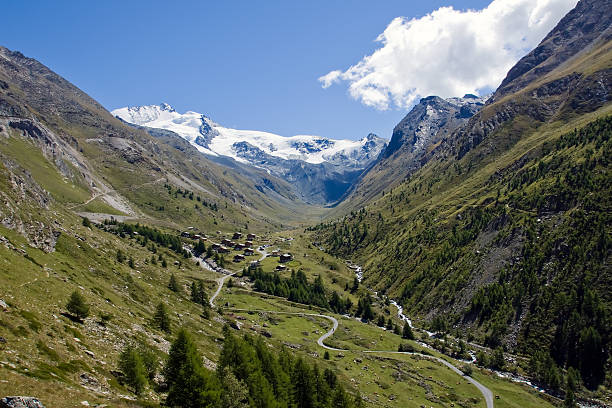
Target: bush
{"points": [[105, 318], [467, 370], [406, 348]]}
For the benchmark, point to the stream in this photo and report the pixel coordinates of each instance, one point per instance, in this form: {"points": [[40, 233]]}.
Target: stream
{"points": [[503, 374]]}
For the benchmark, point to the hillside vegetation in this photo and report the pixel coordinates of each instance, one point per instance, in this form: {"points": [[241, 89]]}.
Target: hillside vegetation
{"points": [[510, 243]]}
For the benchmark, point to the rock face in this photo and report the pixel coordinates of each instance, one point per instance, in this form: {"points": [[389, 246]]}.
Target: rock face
{"points": [[431, 120], [20, 402], [568, 73]]}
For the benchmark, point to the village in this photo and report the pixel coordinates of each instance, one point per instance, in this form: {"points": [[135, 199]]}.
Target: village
{"points": [[242, 246]]}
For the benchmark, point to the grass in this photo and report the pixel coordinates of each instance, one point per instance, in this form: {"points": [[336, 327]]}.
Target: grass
{"points": [[49, 351], [512, 395], [53, 358], [98, 205], [29, 157]]}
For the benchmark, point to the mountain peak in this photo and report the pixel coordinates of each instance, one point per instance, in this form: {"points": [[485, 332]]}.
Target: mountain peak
{"points": [[296, 159], [165, 106], [432, 118]]}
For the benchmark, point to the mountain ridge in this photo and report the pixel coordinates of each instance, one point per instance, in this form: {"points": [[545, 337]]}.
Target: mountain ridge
{"points": [[421, 129], [303, 161], [503, 230]]}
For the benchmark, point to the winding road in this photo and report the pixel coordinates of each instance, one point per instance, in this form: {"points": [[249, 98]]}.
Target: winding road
{"points": [[487, 394], [220, 282]]}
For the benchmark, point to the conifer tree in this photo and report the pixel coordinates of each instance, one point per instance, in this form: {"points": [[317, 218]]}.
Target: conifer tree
{"points": [[133, 368], [235, 393], [570, 388], [355, 285], [303, 385], [389, 324], [407, 332], [161, 318], [173, 284], [190, 385], [199, 248], [77, 306]]}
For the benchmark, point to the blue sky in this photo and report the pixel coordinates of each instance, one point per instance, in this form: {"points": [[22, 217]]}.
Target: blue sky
{"points": [[245, 64]]}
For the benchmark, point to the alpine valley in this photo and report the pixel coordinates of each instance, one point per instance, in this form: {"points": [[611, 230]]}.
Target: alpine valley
{"points": [[153, 258]]}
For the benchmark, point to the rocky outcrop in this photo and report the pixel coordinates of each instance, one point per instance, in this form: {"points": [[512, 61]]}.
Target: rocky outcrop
{"points": [[430, 120], [20, 402]]}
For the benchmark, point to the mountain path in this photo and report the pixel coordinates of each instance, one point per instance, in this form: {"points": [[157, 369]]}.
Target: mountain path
{"points": [[110, 191]]}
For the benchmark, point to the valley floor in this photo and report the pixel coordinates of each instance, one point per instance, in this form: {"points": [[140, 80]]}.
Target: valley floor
{"points": [[64, 363]]}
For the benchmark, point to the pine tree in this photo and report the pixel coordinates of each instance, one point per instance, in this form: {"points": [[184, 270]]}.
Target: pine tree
{"points": [[161, 318], [173, 285], [149, 360], [190, 385], [592, 357], [498, 360], [389, 324], [341, 399], [77, 306], [235, 393], [355, 285], [194, 292], [303, 385], [199, 248], [133, 368], [407, 332], [368, 313], [570, 388]]}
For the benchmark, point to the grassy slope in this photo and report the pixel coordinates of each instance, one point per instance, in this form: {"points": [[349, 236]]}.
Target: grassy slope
{"points": [[460, 225], [47, 352]]}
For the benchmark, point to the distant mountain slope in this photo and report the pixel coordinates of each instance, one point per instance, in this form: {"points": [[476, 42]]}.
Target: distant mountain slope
{"points": [[321, 169], [504, 232], [114, 168], [432, 119], [587, 24]]}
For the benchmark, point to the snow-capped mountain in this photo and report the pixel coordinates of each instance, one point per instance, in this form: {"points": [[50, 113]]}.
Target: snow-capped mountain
{"points": [[321, 169]]}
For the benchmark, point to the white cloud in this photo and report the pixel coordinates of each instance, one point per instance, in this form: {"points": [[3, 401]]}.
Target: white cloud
{"points": [[448, 52]]}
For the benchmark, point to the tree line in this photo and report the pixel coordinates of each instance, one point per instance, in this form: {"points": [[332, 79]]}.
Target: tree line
{"points": [[249, 374]]}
